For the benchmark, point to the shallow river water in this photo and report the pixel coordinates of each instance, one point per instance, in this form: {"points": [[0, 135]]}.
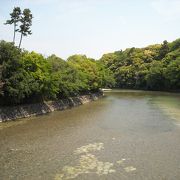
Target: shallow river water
{"points": [[126, 135]]}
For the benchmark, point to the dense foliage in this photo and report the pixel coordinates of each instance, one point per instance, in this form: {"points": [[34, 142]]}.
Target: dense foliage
{"points": [[156, 67], [30, 77]]}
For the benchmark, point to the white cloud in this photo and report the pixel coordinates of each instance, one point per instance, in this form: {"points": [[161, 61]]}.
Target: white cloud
{"points": [[169, 9]]}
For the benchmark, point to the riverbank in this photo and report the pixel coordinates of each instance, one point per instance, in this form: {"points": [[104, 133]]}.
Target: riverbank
{"points": [[29, 110]]}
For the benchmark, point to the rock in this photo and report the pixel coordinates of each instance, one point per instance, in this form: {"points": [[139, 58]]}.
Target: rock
{"points": [[28, 110]]}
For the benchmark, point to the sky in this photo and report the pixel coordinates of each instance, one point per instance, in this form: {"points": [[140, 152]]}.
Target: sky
{"points": [[94, 27]]}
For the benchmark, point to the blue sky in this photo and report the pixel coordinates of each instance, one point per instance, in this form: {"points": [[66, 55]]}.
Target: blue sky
{"points": [[94, 27]]}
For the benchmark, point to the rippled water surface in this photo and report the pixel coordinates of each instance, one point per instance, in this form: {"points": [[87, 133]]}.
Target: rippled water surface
{"points": [[126, 135]]}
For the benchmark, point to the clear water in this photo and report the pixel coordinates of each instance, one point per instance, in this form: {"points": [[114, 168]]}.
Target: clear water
{"points": [[126, 135]]}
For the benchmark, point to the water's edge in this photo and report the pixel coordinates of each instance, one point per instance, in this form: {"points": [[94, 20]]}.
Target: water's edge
{"points": [[29, 110]]}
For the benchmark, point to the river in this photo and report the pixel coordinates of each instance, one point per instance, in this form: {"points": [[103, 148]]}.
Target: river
{"points": [[126, 135]]}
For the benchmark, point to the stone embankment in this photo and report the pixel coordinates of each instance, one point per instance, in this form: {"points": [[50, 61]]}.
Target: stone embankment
{"points": [[29, 110]]}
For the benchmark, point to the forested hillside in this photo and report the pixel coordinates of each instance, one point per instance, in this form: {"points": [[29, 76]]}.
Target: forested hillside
{"points": [[156, 67], [30, 77]]}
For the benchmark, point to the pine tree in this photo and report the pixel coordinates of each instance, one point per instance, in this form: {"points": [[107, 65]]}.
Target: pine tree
{"points": [[26, 22], [15, 18]]}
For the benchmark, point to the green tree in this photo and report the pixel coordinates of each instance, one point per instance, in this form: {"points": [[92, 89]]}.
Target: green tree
{"points": [[163, 50], [13, 76], [65, 75], [42, 85], [172, 74], [155, 77], [174, 45], [26, 22], [106, 77], [143, 68], [15, 18], [87, 69], [1, 82]]}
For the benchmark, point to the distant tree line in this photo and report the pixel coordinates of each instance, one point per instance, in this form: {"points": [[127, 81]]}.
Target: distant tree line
{"points": [[156, 67]]}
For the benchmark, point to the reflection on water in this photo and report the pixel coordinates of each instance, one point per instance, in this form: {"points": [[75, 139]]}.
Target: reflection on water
{"points": [[125, 135], [170, 105]]}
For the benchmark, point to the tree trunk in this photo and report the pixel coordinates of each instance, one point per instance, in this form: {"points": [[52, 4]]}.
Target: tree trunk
{"points": [[1, 82], [20, 40], [14, 33]]}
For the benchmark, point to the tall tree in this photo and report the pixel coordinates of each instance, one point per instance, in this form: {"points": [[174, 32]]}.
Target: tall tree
{"points": [[26, 22], [1, 82], [15, 18], [163, 50]]}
